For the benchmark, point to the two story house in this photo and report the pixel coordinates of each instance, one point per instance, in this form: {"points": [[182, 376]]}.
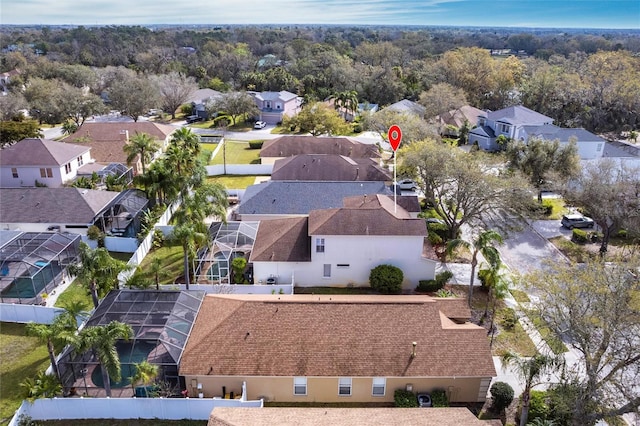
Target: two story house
{"points": [[41, 161], [329, 167], [340, 246], [273, 106], [521, 123]]}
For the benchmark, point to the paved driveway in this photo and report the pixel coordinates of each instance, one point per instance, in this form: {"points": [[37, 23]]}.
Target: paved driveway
{"points": [[529, 250]]}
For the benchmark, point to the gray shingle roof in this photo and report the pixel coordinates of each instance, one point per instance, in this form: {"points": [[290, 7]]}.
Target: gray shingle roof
{"points": [[484, 131], [300, 197], [52, 205], [563, 134], [40, 152], [518, 115], [272, 96], [282, 240], [407, 106]]}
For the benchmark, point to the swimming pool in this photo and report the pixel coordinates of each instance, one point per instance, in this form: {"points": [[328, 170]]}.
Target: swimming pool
{"points": [[129, 355], [27, 287]]}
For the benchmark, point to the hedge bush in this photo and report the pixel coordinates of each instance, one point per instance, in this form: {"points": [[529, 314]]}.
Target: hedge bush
{"points": [[386, 279], [431, 286], [439, 398], [502, 396], [509, 319], [579, 236], [438, 232], [405, 399], [255, 144]]}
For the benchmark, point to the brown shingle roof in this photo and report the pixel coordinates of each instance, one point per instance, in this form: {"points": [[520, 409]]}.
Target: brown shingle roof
{"points": [[329, 167], [282, 240], [52, 205], [286, 146], [296, 416], [337, 335], [40, 152], [367, 215], [107, 140]]}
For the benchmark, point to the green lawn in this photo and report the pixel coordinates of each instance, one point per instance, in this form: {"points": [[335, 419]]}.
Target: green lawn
{"points": [[76, 292], [21, 357], [237, 152], [233, 181], [172, 266]]}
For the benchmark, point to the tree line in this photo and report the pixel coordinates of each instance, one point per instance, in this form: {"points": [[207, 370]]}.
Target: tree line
{"points": [[580, 79]]}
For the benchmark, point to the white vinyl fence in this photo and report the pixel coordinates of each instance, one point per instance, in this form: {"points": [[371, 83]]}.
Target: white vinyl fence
{"points": [[10, 312], [125, 408]]}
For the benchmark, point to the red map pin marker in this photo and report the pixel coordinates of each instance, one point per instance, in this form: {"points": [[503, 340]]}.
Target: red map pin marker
{"points": [[395, 137]]}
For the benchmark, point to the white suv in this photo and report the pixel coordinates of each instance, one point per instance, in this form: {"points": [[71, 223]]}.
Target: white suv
{"points": [[259, 125]]}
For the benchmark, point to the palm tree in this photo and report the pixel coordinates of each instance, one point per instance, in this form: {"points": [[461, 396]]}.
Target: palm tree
{"points": [[43, 386], [97, 269], [530, 370], [145, 373], [101, 339], [54, 335], [184, 138], [482, 244], [191, 237], [157, 271], [143, 145]]}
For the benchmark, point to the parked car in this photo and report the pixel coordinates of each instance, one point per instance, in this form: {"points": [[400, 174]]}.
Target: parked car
{"points": [[424, 400], [576, 220], [193, 119], [407, 185], [259, 125]]}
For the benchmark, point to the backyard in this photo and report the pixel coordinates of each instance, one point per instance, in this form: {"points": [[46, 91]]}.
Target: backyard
{"points": [[236, 152], [22, 357]]}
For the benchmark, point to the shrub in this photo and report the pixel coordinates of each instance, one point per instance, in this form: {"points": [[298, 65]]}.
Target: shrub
{"points": [[502, 395], [434, 285], [386, 279], [405, 399], [509, 319], [622, 233], [439, 398], [546, 208], [579, 236], [445, 293], [538, 407], [255, 144], [439, 229]]}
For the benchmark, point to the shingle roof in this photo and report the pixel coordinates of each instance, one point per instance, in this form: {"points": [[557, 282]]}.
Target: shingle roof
{"points": [[282, 240], [367, 215], [106, 140], [40, 152], [328, 167], [300, 197], [272, 96], [337, 335], [52, 205], [407, 106], [484, 131], [202, 95], [563, 134], [518, 115], [457, 117], [286, 146], [313, 416]]}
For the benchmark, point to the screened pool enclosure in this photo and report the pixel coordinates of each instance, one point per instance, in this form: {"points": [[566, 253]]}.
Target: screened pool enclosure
{"points": [[161, 323], [34, 263]]}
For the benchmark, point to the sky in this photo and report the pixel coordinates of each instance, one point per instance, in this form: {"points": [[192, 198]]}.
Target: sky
{"points": [[613, 14]]}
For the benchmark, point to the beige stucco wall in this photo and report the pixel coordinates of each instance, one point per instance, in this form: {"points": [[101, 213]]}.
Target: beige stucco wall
{"points": [[325, 389]]}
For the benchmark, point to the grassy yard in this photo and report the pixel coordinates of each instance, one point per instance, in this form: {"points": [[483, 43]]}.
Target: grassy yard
{"points": [[571, 250], [206, 149], [22, 357], [234, 181], [237, 152], [76, 292], [171, 258]]}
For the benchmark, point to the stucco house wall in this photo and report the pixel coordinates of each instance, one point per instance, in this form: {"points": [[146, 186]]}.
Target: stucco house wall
{"points": [[27, 175], [325, 389]]}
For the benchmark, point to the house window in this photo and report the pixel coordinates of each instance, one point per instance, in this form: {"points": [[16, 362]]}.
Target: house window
{"points": [[319, 245], [379, 385], [67, 168], [504, 128], [599, 148], [342, 265], [14, 172], [344, 386], [299, 385], [46, 173], [80, 162], [326, 273]]}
